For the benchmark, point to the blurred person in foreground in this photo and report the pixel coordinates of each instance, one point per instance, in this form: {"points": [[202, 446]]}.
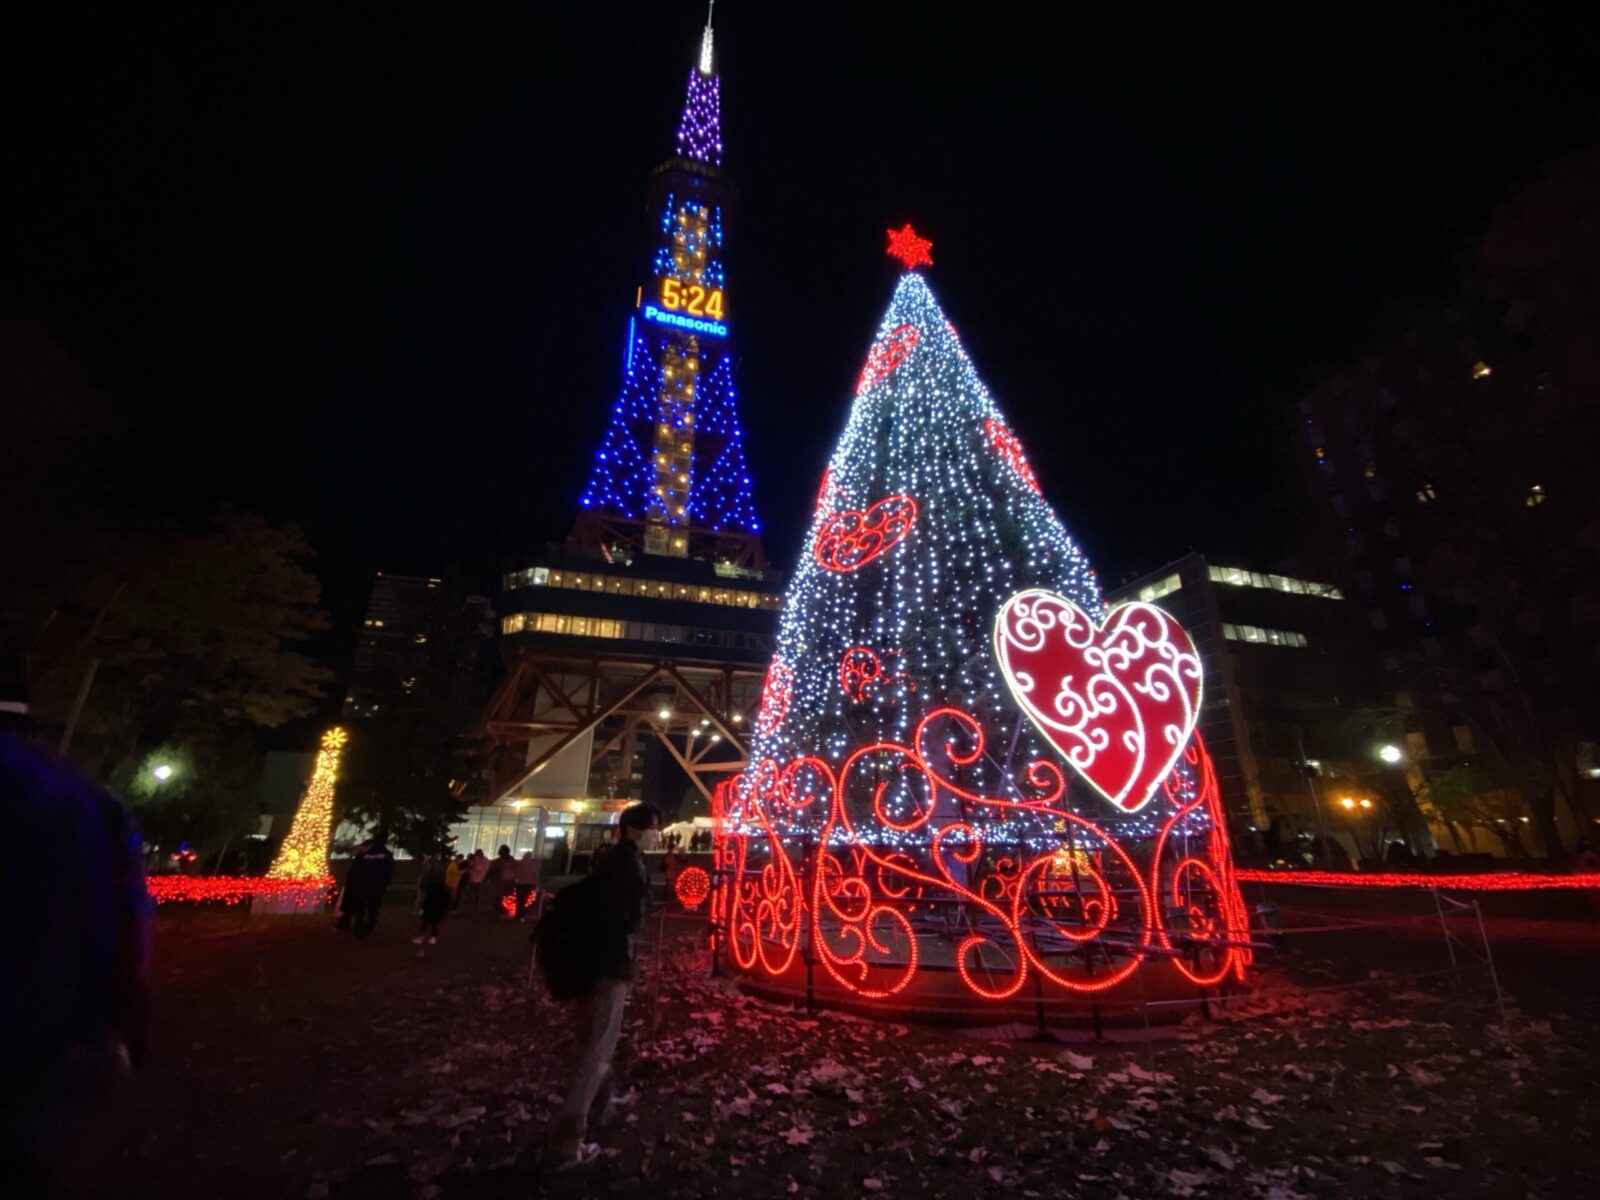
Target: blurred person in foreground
{"points": [[74, 959]]}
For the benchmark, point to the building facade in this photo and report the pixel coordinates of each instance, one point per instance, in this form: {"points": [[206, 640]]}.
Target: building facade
{"points": [[406, 616], [1281, 690]]}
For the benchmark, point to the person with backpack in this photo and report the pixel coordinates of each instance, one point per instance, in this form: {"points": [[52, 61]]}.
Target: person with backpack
{"points": [[585, 947]]}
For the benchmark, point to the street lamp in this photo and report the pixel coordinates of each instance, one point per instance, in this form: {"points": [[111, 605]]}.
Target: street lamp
{"points": [[1347, 803], [162, 772], [1390, 753]]}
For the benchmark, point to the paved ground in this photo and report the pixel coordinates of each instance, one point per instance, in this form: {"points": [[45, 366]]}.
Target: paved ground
{"points": [[292, 1062]]}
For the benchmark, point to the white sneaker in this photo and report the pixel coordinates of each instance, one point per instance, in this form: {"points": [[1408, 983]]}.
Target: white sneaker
{"points": [[586, 1153]]}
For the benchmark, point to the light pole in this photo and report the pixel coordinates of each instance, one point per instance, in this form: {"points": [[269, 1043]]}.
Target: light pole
{"points": [[1401, 802]]}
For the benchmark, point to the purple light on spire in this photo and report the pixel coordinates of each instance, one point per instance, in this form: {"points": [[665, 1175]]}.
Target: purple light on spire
{"points": [[700, 129]]}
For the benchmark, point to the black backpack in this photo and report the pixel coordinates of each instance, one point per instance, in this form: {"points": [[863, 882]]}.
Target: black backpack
{"points": [[562, 937]]}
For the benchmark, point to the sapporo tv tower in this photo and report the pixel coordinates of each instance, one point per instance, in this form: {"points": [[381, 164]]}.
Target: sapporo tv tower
{"points": [[635, 650]]}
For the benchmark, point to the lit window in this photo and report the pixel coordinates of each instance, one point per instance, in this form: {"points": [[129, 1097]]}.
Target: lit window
{"points": [[1162, 587], [1278, 583], [1256, 635], [1535, 496], [1481, 370], [1425, 494]]}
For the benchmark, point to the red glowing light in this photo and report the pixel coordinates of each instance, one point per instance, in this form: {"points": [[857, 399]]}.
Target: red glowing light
{"points": [[1182, 906], [850, 539], [775, 695], [1118, 700], [1498, 881], [910, 249], [887, 354], [236, 889], [692, 887], [861, 674], [1007, 446], [826, 492]]}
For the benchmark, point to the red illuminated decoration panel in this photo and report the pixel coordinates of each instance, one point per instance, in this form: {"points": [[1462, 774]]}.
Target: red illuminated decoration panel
{"points": [[1497, 881], [1082, 916], [1118, 699]]}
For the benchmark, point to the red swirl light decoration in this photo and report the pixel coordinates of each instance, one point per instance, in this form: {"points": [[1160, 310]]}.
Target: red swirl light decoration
{"points": [[886, 354], [1490, 881], [861, 674], [1119, 700], [1007, 446], [826, 492], [850, 539], [1081, 915], [776, 693], [692, 887]]}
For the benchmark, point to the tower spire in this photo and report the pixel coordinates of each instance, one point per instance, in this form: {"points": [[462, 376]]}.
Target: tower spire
{"points": [[705, 40], [700, 127]]}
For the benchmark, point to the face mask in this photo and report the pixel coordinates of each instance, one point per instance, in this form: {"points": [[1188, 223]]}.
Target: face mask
{"points": [[650, 839]]}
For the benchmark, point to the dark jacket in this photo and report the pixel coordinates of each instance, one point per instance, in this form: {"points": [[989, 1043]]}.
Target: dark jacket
{"points": [[623, 892], [369, 874]]}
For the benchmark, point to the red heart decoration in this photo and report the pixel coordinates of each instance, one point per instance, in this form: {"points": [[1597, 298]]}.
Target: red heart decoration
{"points": [[1119, 700], [888, 354], [851, 538]]}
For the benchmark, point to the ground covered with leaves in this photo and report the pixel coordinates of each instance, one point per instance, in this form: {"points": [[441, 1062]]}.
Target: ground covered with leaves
{"points": [[291, 1061]]}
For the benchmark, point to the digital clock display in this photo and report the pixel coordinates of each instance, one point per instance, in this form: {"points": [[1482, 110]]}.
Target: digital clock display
{"points": [[691, 299]]}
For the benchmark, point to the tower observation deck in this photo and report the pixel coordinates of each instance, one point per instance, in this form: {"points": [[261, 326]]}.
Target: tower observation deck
{"points": [[635, 649]]}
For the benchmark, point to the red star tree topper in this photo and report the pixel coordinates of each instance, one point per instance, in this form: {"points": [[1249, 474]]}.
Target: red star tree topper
{"points": [[910, 249]]}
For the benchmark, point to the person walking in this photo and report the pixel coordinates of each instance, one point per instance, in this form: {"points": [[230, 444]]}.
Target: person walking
{"points": [[503, 878], [526, 876], [472, 889], [453, 874], [364, 885], [620, 893], [433, 897]]}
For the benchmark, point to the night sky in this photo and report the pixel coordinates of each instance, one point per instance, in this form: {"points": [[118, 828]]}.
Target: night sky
{"points": [[369, 268]]}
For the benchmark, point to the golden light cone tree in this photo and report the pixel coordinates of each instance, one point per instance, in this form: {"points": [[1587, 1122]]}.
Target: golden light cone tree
{"points": [[304, 853]]}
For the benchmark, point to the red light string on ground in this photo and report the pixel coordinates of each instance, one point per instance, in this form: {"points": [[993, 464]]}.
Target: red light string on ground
{"points": [[235, 889]]}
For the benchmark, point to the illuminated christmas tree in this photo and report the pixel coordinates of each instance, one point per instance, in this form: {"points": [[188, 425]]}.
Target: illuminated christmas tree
{"points": [[964, 767], [304, 853]]}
